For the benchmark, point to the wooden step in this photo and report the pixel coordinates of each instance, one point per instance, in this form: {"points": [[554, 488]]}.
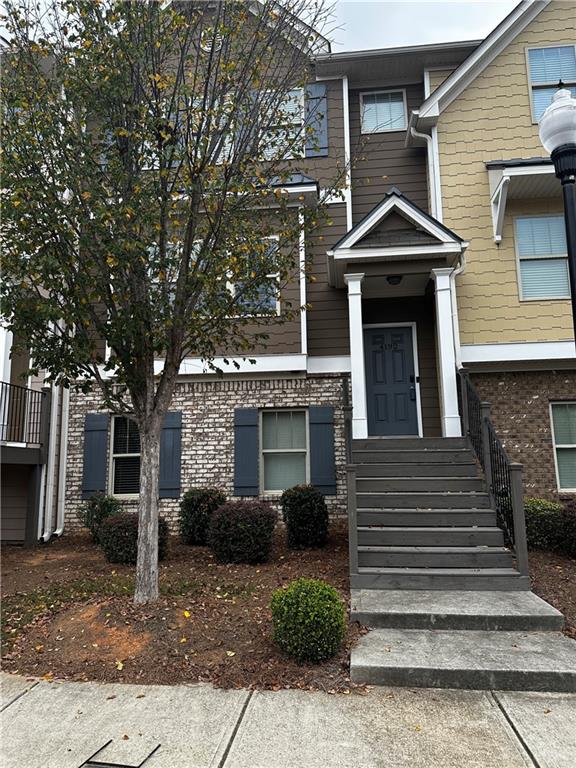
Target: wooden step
{"points": [[434, 557], [429, 537], [415, 469], [419, 456], [419, 484], [404, 443], [497, 579], [433, 500], [409, 518]]}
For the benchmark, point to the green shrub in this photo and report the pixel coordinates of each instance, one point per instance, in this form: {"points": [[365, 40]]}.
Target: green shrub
{"points": [[119, 538], [543, 523], [567, 544], [241, 531], [308, 619], [195, 509], [97, 509], [306, 517]]}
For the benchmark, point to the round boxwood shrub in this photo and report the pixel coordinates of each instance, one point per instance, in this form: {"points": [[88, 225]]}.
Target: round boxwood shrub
{"points": [[97, 509], [119, 538], [308, 619], [241, 531], [306, 517], [543, 523], [195, 509]]}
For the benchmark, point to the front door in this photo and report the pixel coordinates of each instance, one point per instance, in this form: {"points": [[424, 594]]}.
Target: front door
{"points": [[390, 381]]}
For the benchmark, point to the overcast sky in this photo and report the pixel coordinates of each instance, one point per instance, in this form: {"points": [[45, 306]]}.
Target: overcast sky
{"points": [[384, 23]]}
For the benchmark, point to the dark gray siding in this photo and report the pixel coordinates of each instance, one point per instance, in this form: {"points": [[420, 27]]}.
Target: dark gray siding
{"points": [[380, 160], [15, 480], [419, 310]]}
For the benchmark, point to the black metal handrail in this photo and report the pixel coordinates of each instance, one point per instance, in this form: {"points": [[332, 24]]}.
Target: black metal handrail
{"points": [[503, 477], [21, 414]]}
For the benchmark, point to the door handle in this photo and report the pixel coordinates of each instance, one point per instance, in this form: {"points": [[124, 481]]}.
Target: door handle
{"points": [[412, 393]]}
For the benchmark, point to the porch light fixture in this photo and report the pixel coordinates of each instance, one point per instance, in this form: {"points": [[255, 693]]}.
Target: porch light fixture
{"points": [[394, 279], [558, 137]]}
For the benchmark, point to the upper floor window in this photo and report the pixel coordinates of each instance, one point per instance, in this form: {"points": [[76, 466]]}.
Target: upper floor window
{"points": [[564, 434], [281, 139], [547, 66], [383, 111], [542, 257], [258, 293], [125, 457]]}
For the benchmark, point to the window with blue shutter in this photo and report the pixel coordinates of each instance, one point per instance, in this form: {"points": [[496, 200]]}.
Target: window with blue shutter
{"points": [[547, 67], [95, 453], [171, 456], [542, 257], [246, 452], [322, 453]]}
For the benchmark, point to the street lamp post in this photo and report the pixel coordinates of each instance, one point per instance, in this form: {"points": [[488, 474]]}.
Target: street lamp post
{"points": [[558, 136]]}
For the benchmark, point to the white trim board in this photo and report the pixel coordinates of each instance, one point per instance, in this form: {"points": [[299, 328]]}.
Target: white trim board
{"points": [[518, 351], [329, 364]]}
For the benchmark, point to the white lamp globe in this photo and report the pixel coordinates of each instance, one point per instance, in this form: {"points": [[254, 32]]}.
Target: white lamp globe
{"points": [[558, 123]]}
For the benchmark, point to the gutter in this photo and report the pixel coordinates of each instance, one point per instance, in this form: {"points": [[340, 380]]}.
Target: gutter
{"points": [[50, 467], [433, 174], [455, 321], [65, 411]]}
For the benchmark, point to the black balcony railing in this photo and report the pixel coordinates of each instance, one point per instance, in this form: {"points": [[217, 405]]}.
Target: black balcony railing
{"points": [[21, 411], [503, 477]]}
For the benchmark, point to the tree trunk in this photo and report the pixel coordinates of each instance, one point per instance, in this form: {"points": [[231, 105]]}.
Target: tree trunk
{"points": [[146, 590]]}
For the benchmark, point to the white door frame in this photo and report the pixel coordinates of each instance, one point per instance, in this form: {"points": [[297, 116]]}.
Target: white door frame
{"points": [[413, 327]]}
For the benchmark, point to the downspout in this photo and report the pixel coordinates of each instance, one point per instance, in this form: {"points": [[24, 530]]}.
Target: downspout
{"points": [[455, 322], [50, 467], [434, 191], [65, 410]]}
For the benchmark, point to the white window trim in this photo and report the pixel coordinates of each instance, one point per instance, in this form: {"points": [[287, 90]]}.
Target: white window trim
{"points": [[262, 451], [272, 276], [532, 86], [532, 258], [383, 130], [555, 446], [112, 463]]}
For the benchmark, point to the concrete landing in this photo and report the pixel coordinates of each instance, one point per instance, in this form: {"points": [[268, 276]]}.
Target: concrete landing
{"points": [[478, 660], [432, 609]]}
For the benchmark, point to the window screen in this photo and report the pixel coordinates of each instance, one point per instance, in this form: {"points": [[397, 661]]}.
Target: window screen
{"points": [[549, 66], [542, 254], [383, 111], [284, 449], [564, 429], [125, 456]]}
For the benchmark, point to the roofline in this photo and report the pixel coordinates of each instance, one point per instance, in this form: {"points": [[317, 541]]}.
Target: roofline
{"points": [[368, 52], [525, 12], [519, 162]]}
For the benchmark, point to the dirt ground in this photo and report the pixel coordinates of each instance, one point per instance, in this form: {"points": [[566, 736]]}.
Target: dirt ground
{"points": [[68, 614]]}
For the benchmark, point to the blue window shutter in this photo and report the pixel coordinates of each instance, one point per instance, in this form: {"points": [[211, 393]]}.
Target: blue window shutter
{"points": [[317, 117], [171, 456], [322, 461], [246, 446], [95, 454]]}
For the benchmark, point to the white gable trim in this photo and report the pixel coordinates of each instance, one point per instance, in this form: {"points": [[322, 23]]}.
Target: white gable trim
{"points": [[394, 203], [484, 55]]}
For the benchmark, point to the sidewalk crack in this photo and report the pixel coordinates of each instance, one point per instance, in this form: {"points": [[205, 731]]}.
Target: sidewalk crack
{"points": [[224, 757], [515, 730]]}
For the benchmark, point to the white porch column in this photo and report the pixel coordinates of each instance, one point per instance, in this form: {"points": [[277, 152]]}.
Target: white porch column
{"points": [[446, 356], [5, 349], [359, 416]]}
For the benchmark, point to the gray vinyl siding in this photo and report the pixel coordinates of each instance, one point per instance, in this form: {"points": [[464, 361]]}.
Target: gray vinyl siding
{"points": [[419, 310], [15, 480], [327, 318], [380, 160]]}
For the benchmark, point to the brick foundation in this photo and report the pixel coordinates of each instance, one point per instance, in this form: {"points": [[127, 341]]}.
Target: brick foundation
{"points": [[521, 414], [208, 433]]}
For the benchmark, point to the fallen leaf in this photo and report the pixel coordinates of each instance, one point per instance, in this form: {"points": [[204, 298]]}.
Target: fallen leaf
{"points": [[125, 737], [183, 639], [230, 653], [39, 648], [187, 614], [108, 698], [119, 664]]}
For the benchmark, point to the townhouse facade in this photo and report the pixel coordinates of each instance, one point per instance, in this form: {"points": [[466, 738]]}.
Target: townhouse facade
{"points": [[445, 251]]}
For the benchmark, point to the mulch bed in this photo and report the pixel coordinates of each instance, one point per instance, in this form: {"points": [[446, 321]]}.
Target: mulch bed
{"points": [[69, 614], [554, 579]]}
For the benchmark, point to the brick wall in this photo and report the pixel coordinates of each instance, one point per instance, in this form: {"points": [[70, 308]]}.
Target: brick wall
{"points": [[208, 432], [521, 414]]}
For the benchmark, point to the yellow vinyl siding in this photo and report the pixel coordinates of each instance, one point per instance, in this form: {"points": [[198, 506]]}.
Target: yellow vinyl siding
{"points": [[492, 120]]}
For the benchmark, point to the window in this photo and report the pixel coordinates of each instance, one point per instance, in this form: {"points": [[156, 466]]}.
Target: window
{"points": [[564, 435], [258, 293], [383, 111], [546, 67], [279, 141], [125, 469], [284, 450], [542, 257]]}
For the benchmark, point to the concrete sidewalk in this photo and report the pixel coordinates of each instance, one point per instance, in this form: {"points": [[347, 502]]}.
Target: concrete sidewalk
{"points": [[61, 725]]}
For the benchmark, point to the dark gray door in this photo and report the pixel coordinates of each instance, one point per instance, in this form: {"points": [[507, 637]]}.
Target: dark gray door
{"points": [[390, 381]]}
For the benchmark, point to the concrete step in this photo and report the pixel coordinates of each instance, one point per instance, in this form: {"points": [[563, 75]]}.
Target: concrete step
{"points": [[435, 557], [476, 659], [414, 469], [412, 455], [429, 536], [403, 443], [427, 609], [482, 579], [432, 500], [419, 484], [425, 517]]}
